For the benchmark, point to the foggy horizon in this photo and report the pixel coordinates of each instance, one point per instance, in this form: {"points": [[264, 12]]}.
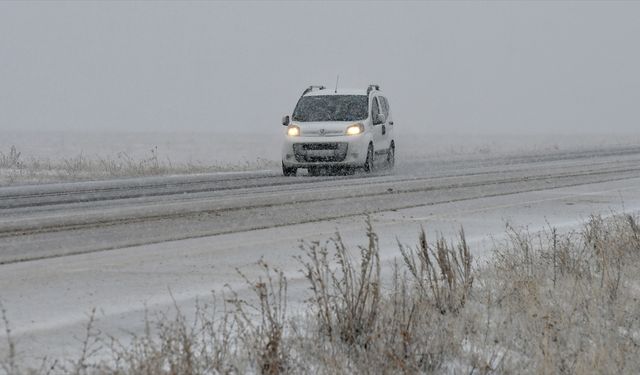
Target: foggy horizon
{"points": [[460, 68]]}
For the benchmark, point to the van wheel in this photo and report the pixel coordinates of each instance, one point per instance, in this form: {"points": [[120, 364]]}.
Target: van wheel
{"points": [[289, 171], [391, 156], [348, 171], [368, 164]]}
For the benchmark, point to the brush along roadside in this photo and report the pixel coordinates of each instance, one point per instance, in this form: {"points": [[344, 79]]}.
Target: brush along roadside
{"points": [[15, 168], [543, 303]]}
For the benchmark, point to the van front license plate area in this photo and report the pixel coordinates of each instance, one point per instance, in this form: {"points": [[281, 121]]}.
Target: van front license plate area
{"points": [[320, 152]]}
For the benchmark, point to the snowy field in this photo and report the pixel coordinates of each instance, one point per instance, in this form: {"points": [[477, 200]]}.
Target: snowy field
{"points": [[41, 157]]}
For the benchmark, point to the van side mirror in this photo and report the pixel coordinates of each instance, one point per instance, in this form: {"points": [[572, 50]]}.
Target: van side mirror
{"points": [[285, 120], [380, 119]]}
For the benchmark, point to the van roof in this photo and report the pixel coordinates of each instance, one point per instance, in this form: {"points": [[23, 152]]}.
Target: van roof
{"points": [[328, 91]]}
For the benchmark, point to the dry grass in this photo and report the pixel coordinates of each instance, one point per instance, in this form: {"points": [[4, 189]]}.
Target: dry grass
{"points": [[544, 303], [347, 298], [261, 328], [570, 304], [443, 275], [204, 344], [15, 168]]}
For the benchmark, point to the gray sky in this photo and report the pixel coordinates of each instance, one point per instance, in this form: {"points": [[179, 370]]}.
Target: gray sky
{"points": [[446, 67]]}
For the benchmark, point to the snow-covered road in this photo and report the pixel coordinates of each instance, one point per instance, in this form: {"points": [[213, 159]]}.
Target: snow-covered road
{"points": [[122, 245]]}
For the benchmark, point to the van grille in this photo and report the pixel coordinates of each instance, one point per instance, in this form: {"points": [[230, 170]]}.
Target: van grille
{"points": [[320, 152]]}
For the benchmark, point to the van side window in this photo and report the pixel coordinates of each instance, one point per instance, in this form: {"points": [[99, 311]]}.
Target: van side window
{"points": [[374, 109], [385, 105]]}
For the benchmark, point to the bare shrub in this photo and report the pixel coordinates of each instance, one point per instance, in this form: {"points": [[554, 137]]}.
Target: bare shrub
{"points": [[73, 166], [12, 159], [264, 335], [205, 344], [546, 303], [565, 304], [346, 299], [405, 329], [443, 273], [422, 323], [412, 334]]}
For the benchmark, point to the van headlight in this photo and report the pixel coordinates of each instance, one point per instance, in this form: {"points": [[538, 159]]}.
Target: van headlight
{"points": [[293, 131], [355, 129]]}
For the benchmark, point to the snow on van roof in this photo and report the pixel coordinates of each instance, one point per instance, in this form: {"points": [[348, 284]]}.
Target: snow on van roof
{"points": [[328, 91]]}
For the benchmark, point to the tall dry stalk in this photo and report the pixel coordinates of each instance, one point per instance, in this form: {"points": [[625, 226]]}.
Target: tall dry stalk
{"points": [[264, 334], [345, 297], [8, 364], [443, 273]]}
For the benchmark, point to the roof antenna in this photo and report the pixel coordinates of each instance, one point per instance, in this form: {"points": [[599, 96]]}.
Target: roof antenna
{"points": [[337, 79]]}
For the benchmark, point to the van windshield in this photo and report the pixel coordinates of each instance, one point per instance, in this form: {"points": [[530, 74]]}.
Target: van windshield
{"points": [[331, 108]]}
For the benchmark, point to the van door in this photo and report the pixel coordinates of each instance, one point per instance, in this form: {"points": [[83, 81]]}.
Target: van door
{"points": [[388, 122], [379, 130]]}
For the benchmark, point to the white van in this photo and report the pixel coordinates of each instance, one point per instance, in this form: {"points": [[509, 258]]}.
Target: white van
{"points": [[332, 130]]}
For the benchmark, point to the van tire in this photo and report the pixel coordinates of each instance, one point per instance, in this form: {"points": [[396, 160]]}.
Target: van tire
{"points": [[391, 156], [289, 171], [368, 163]]}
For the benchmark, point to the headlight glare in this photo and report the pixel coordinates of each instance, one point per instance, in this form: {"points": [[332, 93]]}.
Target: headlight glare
{"points": [[293, 131], [355, 129]]}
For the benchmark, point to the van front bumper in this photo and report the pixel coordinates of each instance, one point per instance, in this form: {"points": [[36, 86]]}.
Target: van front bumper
{"points": [[344, 151]]}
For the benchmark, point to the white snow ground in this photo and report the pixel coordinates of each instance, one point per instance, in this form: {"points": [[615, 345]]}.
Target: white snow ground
{"points": [[202, 236]]}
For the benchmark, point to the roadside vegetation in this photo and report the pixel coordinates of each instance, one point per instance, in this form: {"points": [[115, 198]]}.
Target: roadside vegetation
{"points": [[16, 168], [543, 303]]}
